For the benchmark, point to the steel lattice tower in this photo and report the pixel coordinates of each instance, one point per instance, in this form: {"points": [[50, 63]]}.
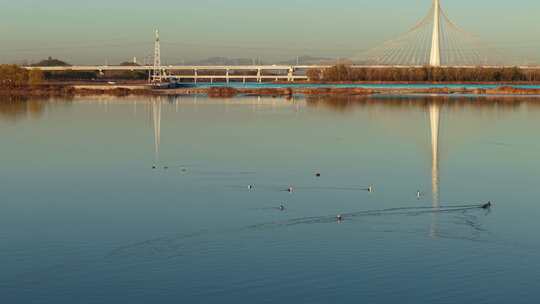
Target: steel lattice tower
{"points": [[157, 71]]}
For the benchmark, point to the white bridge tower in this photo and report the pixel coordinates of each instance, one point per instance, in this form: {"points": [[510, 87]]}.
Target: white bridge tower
{"points": [[434, 41], [435, 57]]}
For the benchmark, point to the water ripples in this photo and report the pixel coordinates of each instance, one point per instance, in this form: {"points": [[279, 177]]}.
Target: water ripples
{"points": [[177, 245]]}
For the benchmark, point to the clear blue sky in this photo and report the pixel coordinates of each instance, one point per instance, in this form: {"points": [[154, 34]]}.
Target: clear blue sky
{"points": [[115, 30]]}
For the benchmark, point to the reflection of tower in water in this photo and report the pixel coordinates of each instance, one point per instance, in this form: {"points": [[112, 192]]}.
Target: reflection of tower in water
{"points": [[156, 118], [434, 120]]}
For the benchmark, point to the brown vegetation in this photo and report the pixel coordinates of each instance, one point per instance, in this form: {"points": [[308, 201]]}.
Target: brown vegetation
{"points": [[222, 92], [13, 76], [274, 92], [507, 90], [38, 91], [117, 92], [342, 73], [336, 91], [35, 77]]}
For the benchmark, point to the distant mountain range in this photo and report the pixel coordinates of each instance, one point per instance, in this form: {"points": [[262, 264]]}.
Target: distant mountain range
{"points": [[302, 60], [308, 60], [221, 61], [51, 62]]}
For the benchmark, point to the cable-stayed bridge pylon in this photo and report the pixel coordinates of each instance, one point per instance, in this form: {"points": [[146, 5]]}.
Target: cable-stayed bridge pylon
{"points": [[434, 41]]}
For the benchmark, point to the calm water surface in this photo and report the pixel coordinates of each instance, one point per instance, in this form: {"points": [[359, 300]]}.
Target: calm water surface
{"points": [[85, 219]]}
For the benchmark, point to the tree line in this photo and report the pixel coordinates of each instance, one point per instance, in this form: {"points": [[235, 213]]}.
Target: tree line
{"points": [[13, 76], [343, 72]]}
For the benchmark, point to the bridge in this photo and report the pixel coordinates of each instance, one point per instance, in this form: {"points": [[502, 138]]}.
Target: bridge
{"points": [[434, 41], [258, 73], [244, 73]]}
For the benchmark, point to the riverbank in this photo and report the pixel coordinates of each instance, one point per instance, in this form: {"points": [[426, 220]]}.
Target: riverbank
{"points": [[274, 89]]}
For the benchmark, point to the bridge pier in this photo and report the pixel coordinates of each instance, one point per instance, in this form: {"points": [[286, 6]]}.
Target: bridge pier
{"points": [[227, 75], [196, 75], [259, 74]]}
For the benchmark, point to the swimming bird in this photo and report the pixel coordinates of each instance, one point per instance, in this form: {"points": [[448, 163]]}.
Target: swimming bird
{"points": [[165, 168], [418, 194], [251, 187], [370, 189], [154, 167], [339, 217], [318, 174], [290, 189], [487, 206], [281, 207]]}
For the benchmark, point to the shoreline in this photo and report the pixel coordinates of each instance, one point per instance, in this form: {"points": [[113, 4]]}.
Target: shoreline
{"points": [[138, 89]]}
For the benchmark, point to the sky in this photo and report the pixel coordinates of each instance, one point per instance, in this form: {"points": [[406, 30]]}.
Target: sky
{"points": [[107, 31]]}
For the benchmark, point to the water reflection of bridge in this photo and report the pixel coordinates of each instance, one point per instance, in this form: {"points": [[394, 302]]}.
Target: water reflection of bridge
{"points": [[434, 122]]}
